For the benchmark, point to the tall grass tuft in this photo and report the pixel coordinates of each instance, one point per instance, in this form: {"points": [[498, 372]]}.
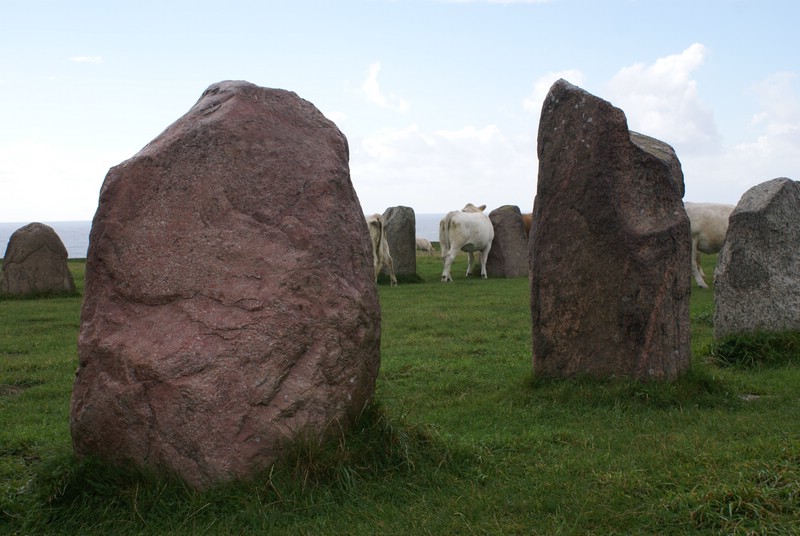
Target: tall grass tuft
{"points": [[753, 350], [377, 447]]}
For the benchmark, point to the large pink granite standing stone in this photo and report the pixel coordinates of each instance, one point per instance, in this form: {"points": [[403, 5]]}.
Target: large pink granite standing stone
{"points": [[610, 248], [230, 303]]}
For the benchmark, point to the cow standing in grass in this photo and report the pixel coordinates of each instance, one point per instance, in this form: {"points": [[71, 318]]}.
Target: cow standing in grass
{"points": [[423, 244], [380, 247], [709, 224], [467, 230]]}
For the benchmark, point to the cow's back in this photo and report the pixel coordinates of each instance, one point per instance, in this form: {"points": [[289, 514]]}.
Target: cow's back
{"points": [[709, 224]]}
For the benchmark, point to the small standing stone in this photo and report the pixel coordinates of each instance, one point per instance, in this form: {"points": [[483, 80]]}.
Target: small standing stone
{"points": [[401, 227], [757, 278], [35, 263], [509, 254]]}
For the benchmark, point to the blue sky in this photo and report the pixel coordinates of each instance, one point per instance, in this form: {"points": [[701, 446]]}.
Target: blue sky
{"points": [[439, 100]]}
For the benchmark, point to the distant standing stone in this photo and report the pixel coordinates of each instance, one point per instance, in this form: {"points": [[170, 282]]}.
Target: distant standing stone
{"points": [[757, 278], [610, 248], [229, 305], [509, 254], [35, 263], [401, 236]]}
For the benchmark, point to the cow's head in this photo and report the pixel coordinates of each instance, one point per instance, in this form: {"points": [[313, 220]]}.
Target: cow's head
{"points": [[472, 208]]}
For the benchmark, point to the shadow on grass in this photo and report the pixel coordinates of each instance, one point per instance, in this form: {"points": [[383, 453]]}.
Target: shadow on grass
{"points": [[698, 388]]}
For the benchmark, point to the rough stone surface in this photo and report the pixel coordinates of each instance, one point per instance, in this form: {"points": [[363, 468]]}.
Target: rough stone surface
{"points": [[509, 254], [229, 304], [35, 263], [401, 228], [757, 278], [665, 153], [610, 248]]}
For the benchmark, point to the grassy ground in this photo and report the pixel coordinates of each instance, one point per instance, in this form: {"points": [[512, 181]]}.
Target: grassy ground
{"points": [[462, 438]]}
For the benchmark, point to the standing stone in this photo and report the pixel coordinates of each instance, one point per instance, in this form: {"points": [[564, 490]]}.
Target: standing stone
{"points": [[757, 278], [509, 254], [401, 236], [610, 248], [230, 304], [35, 263]]}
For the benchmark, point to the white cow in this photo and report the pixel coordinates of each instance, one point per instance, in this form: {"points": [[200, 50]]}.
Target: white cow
{"points": [[423, 244], [467, 230], [380, 247], [709, 223]]}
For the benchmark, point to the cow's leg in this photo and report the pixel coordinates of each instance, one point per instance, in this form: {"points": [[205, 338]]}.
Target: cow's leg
{"points": [[700, 264], [695, 270], [376, 264], [447, 259], [470, 261], [484, 254], [390, 268]]}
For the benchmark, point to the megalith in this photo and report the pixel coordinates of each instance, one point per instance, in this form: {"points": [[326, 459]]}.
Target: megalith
{"points": [[230, 305], [35, 263], [757, 278], [509, 254], [609, 248], [401, 228]]}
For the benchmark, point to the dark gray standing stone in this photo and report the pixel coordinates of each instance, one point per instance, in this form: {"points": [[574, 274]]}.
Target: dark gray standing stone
{"points": [[509, 254], [757, 278], [35, 263], [610, 248], [401, 225], [230, 305]]}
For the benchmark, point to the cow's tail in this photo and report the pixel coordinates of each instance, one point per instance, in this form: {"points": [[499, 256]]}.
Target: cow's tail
{"points": [[444, 235]]}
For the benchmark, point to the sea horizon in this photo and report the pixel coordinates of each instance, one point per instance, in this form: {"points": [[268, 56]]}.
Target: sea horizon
{"points": [[75, 233]]}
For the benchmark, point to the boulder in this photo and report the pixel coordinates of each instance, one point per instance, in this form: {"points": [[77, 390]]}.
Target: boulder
{"points": [[609, 248], [401, 236], [757, 278], [35, 263], [509, 254], [230, 305]]}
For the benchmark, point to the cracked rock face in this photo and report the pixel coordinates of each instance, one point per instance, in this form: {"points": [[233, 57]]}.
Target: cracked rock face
{"points": [[35, 263], [229, 302]]}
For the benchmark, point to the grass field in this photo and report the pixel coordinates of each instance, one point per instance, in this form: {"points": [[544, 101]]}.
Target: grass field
{"points": [[462, 438]]}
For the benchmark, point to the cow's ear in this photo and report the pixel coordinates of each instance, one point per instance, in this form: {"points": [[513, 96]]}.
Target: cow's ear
{"points": [[482, 207]]}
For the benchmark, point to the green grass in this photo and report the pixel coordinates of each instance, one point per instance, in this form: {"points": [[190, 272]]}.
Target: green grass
{"points": [[462, 438]]}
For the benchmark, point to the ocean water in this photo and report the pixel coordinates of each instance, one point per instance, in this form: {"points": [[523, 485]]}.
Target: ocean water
{"points": [[75, 234]]}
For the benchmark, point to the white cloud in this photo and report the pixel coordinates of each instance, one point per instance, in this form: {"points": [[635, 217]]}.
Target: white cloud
{"points": [[772, 152], [87, 59], [780, 107], [661, 100], [50, 182], [372, 90], [533, 102], [336, 117], [444, 168]]}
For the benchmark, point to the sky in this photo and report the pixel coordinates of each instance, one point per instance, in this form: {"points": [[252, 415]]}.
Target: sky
{"points": [[439, 99]]}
